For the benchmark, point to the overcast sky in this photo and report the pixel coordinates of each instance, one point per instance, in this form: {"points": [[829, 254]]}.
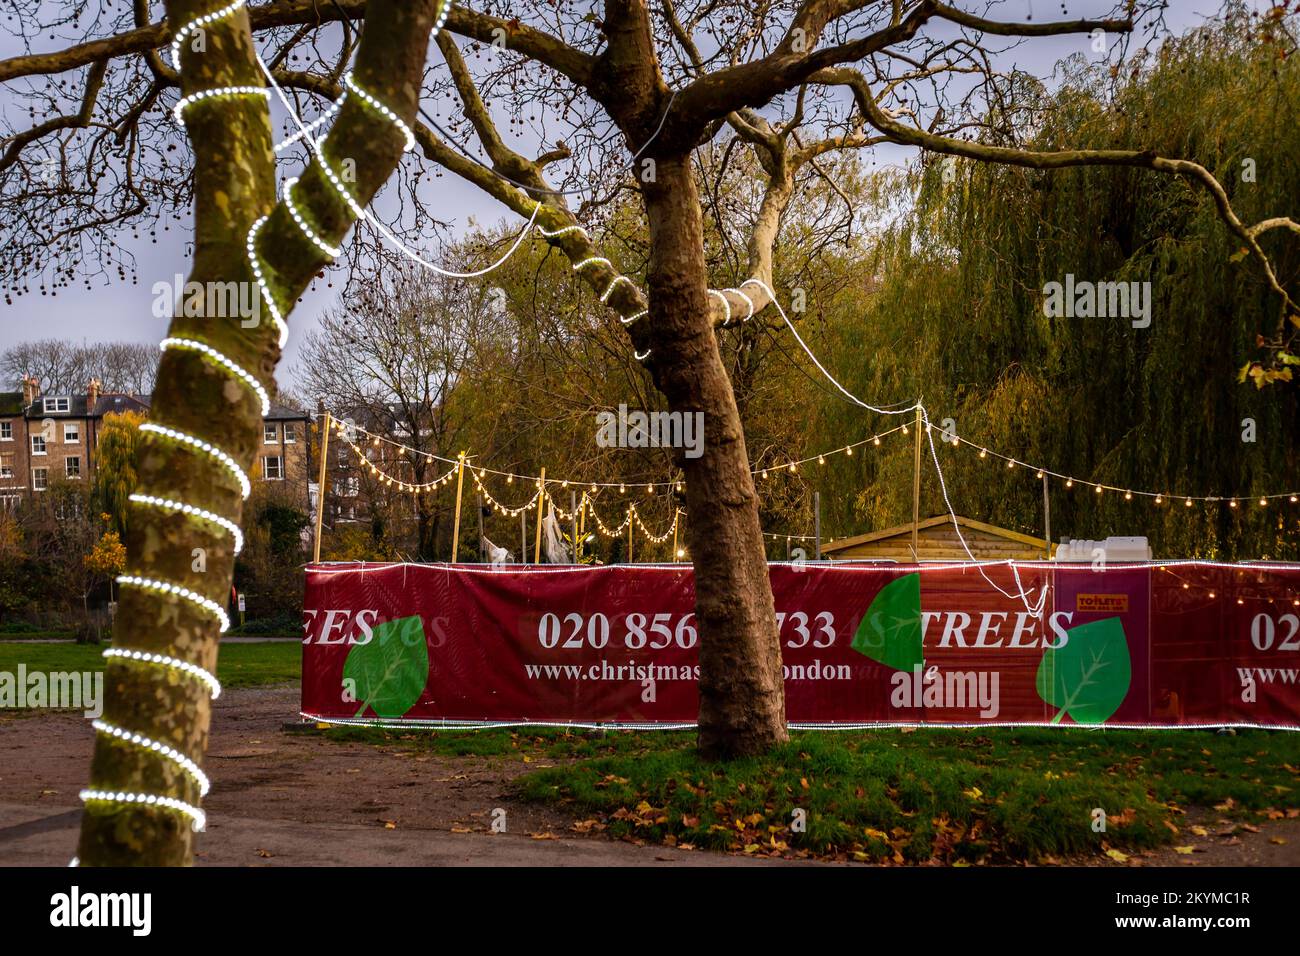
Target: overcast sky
{"points": [[119, 310]]}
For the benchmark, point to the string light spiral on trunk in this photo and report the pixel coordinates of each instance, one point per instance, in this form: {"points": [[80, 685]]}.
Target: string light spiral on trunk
{"points": [[129, 657]]}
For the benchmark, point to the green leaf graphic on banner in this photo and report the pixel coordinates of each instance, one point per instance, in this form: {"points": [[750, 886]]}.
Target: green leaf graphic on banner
{"points": [[890, 631], [1089, 677], [391, 670]]}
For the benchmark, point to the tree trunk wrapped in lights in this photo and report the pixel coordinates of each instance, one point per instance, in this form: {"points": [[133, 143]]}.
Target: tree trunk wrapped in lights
{"points": [[145, 786]]}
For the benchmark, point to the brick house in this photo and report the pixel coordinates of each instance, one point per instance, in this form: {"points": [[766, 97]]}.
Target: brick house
{"points": [[44, 438]]}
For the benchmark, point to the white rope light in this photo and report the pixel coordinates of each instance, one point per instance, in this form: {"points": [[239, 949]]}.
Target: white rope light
{"points": [[641, 356], [175, 756], [162, 660], [321, 120], [1034, 607], [197, 24], [592, 260], [350, 82], [198, 819], [207, 351], [287, 196], [185, 102], [184, 593], [726, 306], [609, 290], [207, 448], [250, 243], [748, 301], [196, 816], [305, 132], [316, 145], [562, 231], [167, 504]]}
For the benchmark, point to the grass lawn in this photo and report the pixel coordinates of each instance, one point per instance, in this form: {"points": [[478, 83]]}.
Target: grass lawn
{"points": [[239, 665], [942, 795]]}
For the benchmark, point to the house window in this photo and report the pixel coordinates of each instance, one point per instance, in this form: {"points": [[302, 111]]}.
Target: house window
{"points": [[272, 467], [71, 433], [347, 487], [9, 503], [7, 465], [57, 405], [269, 436], [72, 467], [6, 431], [38, 444], [40, 478], [290, 433]]}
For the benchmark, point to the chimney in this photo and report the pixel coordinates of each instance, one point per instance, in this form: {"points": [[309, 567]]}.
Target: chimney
{"points": [[92, 395], [30, 388]]}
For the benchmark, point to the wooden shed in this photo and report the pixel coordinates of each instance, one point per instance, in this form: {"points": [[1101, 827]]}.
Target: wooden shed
{"points": [[938, 542]]}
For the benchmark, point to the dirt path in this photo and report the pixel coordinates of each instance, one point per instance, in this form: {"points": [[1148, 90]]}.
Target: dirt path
{"points": [[293, 798]]}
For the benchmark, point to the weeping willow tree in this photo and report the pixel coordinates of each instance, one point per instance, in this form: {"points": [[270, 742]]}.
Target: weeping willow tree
{"points": [[952, 309], [116, 445]]}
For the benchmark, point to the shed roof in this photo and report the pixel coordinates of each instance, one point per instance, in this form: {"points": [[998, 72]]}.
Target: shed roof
{"points": [[905, 531]]}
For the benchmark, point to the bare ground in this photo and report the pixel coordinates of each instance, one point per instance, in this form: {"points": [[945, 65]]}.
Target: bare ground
{"points": [[295, 799], [282, 797]]}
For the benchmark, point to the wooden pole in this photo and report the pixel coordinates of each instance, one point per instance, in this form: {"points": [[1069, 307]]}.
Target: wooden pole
{"points": [[478, 499], [573, 513], [629, 534], [455, 528], [582, 520], [523, 537], [817, 524], [541, 503], [676, 517], [916, 490], [1047, 518], [320, 488]]}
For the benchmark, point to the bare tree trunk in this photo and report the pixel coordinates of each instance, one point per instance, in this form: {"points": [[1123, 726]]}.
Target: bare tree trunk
{"points": [[742, 698]]}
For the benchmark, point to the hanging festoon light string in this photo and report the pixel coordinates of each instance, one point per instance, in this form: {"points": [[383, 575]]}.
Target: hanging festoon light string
{"points": [[1233, 502], [412, 487], [650, 535], [786, 465], [603, 528], [791, 465], [1034, 605], [510, 476], [503, 509]]}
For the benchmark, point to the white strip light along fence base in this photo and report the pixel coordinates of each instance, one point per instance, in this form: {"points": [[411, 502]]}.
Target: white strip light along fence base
{"points": [[425, 723]]}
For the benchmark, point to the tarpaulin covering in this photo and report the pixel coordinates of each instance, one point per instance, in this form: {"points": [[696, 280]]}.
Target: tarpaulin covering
{"points": [[1173, 644]]}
